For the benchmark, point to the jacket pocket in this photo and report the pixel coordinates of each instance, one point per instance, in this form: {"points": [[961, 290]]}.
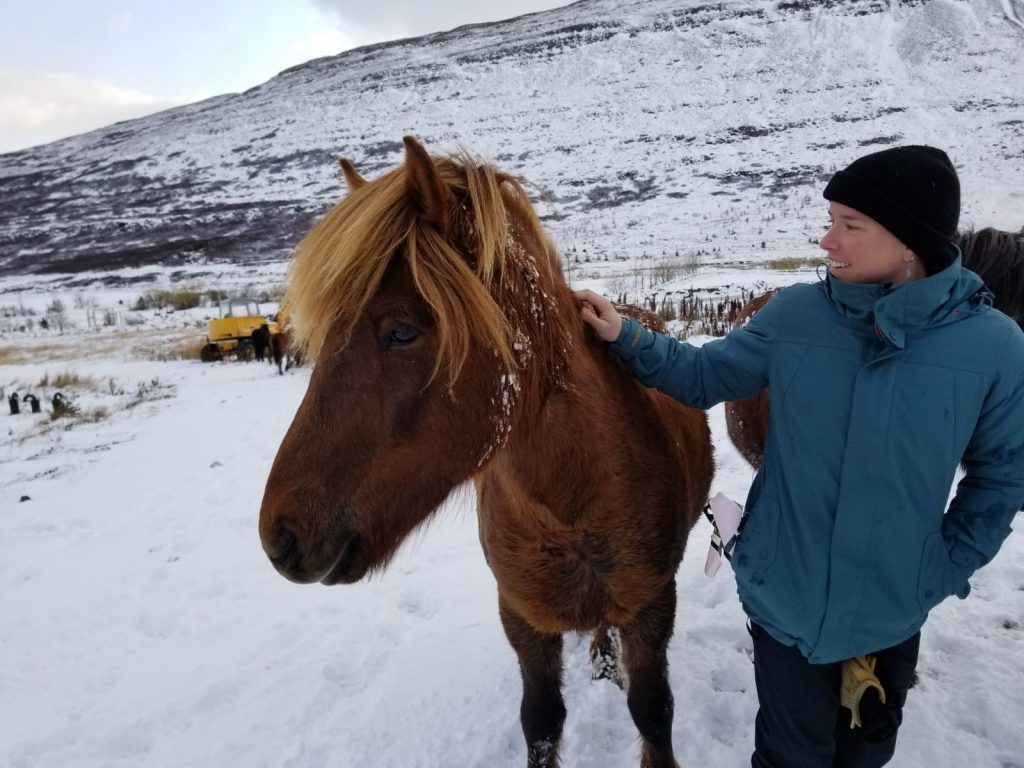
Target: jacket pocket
{"points": [[938, 577], [758, 545]]}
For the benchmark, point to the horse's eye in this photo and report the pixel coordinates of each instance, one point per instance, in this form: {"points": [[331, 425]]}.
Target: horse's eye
{"points": [[402, 335]]}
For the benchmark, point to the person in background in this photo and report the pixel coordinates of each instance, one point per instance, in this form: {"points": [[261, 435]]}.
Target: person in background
{"points": [[884, 377]]}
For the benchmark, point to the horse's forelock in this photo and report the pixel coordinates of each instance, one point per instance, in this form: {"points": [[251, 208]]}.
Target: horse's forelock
{"points": [[339, 265], [463, 307]]}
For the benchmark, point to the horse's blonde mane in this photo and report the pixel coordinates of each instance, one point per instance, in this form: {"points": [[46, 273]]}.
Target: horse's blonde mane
{"points": [[338, 267]]}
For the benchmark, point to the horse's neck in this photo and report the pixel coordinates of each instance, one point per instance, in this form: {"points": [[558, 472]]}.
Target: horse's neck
{"points": [[563, 437], [559, 454]]}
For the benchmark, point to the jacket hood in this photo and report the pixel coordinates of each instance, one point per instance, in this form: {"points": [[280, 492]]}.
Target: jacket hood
{"points": [[946, 297]]}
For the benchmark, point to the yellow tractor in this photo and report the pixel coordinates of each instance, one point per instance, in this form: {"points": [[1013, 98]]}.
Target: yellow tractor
{"points": [[238, 331]]}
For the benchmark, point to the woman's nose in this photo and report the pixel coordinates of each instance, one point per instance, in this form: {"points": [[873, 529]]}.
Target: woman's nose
{"points": [[826, 241]]}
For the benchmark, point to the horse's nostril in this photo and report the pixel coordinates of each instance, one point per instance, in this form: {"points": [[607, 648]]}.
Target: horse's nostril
{"points": [[284, 551]]}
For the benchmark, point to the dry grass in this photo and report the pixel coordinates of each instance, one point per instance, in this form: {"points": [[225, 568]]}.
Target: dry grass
{"points": [[141, 344], [186, 349], [795, 263], [181, 298], [49, 351], [95, 415], [68, 380]]}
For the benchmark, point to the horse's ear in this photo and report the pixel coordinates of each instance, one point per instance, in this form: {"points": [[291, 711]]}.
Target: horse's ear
{"points": [[352, 177], [425, 188]]}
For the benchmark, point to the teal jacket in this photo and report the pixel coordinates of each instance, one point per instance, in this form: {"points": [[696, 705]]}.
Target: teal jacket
{"points": [[877, 394]]}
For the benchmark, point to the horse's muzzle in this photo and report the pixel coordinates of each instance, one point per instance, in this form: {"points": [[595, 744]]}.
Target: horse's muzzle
{"points": [[297, 560], [284, 550], [351, 565]]}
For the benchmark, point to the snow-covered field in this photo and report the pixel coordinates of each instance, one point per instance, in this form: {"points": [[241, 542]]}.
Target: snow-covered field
{"points": [[142, 624]]}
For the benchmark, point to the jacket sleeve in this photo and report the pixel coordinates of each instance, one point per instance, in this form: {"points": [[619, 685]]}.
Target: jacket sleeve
{"points": [[992, 489], [731, 368]]}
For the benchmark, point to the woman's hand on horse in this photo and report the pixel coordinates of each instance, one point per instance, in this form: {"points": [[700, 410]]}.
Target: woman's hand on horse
{"points": [[599, 314]]}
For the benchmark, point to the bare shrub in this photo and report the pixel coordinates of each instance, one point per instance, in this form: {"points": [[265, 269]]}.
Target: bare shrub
{"points": [[703, 315], [181, 298], [56, 316], [64, 406]]}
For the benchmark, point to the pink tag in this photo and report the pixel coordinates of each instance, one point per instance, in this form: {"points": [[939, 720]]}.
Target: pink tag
{"points": [[727, 515]]}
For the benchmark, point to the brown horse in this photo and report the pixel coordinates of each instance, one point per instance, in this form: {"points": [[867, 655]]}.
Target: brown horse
{"points": [[998, 259], [996, 256], [448, 347]]}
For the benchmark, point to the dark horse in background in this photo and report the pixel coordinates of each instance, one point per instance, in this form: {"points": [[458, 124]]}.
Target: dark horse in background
{"points": [[261, 341], [448, 347], [996, 256]]}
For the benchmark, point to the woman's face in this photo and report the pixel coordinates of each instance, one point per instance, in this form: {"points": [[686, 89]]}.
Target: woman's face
{"points": [[860, 250]]}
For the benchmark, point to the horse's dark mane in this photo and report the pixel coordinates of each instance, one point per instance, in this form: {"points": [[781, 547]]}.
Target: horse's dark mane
{"points": [[998, 258]]}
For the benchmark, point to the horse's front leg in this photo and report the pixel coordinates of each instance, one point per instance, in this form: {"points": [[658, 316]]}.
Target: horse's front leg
{"points": [[542, 711], [644, 654]]}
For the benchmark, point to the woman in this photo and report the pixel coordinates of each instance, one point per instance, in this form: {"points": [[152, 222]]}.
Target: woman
{"points": [[883, 378]]}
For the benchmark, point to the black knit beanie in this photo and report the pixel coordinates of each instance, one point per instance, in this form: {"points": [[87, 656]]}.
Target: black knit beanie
{"points": [[912, 191]]}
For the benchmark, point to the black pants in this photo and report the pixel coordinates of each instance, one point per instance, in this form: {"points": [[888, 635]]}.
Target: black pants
{"points": [[800, 723]]}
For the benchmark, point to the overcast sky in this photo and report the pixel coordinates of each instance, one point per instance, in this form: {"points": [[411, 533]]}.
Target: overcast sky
{"points": [[68, 66]]}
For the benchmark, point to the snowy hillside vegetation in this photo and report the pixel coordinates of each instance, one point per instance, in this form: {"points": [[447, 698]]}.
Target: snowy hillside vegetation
{"points": [[650, 127]]}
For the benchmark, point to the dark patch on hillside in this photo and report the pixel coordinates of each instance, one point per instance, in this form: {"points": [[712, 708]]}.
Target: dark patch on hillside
{"points": [[774, 180], [636, 190], [855, 7]]}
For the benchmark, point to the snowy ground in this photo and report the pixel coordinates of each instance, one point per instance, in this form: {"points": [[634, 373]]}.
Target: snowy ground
{"points": [[143, 625]]}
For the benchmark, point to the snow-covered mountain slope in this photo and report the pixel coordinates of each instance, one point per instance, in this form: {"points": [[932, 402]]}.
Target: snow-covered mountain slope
{"points": [[645, 124]]}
